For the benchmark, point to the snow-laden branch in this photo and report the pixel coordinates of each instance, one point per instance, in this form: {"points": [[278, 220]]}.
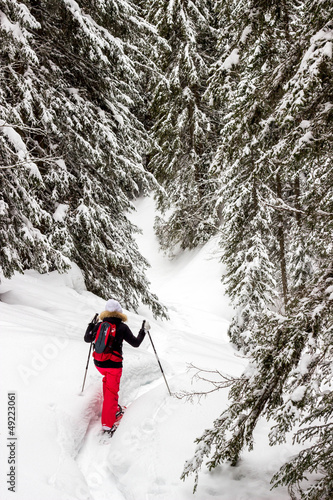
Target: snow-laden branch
{"points": [[19, 164]]}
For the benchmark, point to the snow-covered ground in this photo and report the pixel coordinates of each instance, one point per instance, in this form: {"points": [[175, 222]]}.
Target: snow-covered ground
{"points": [[58, 453]]}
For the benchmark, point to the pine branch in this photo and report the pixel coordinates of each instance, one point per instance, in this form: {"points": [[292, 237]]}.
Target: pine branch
{"points": [[50, 159], [288, 208], [23, 127]]}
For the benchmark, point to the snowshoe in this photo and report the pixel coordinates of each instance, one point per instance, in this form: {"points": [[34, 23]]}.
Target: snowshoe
{"points": [[120, 413], [107, 432]]}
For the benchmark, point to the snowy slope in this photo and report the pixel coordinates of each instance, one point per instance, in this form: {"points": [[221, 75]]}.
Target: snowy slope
{"points": [[58, 451]]}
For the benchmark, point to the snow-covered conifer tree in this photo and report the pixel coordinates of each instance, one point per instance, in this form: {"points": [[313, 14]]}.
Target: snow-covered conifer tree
{"points": [[74, 106], [252, 42], [283, 122], [183, 129], [24, 222]]}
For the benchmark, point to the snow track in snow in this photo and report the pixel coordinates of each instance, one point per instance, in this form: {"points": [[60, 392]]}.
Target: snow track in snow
{"points": [[101, 459], [43, 357]]}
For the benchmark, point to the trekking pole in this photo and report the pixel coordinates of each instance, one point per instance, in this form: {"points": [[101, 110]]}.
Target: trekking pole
{"points": [[93, 322], [146, 327]]}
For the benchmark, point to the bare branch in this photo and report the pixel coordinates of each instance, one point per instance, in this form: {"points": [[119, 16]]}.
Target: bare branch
{"points": [[224, 382]]}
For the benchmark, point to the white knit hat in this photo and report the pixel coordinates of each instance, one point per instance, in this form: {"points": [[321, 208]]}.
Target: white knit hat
{"points": [[113, 306]]}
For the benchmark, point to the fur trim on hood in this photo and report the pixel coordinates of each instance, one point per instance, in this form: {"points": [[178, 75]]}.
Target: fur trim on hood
{"points": [[114, 314]]}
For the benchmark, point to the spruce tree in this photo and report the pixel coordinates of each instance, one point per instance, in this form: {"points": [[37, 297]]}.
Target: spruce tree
{"points": [[75, 104], [183, 130], [281, 124], [252, 43], [24, 221]]}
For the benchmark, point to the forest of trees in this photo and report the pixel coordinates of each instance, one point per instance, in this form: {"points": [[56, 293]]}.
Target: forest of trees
{"points": [[224, 109]]}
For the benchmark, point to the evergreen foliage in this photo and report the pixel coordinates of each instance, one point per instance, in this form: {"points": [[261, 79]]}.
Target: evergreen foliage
{"points": [[253, 42], [183, 123], [274, 163], [229, 104], [71, 141]]}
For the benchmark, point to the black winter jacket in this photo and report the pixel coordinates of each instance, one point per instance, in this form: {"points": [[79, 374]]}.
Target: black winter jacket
{"points": [[122, 333]]}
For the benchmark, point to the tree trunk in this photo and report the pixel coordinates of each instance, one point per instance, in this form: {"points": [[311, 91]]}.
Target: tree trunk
{"points": [[297, 200], [282, 252]]}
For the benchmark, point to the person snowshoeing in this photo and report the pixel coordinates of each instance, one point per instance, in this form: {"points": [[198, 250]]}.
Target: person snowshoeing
{"points": [[110, 362]]}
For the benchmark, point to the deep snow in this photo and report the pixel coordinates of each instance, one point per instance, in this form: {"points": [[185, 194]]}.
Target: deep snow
{"points": [[58, 452]]}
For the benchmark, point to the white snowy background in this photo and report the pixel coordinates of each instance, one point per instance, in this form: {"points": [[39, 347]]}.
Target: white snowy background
{"points": [[59, 452]]}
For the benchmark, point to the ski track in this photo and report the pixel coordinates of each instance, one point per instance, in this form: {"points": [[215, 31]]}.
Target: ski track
{"points": [[137, 446], [133, 463], [112, 466], [46, 316]]}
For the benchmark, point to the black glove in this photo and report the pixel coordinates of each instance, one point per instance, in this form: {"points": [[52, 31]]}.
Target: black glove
{"points": [[88, 336], [89, 332], [145, 327], [142, 329]]}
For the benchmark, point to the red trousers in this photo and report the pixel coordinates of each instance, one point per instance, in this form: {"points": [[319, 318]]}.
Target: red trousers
{"points": [[111, 382]]}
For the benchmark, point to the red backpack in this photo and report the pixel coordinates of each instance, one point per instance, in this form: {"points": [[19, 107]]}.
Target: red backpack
{"points": [[104, 340]]}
